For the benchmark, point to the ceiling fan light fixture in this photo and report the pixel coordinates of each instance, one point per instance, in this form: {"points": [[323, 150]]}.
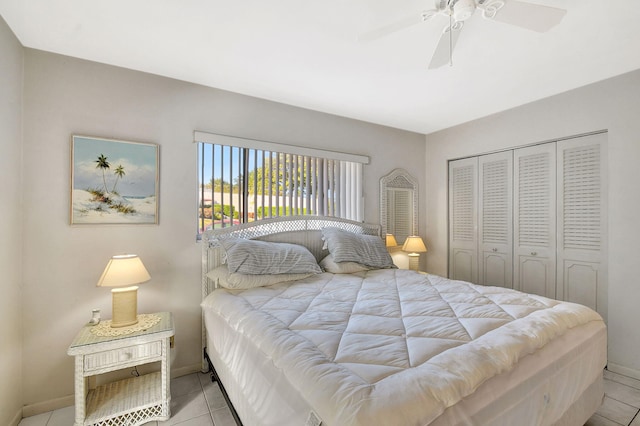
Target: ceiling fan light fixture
{"points": [[463, 9]]}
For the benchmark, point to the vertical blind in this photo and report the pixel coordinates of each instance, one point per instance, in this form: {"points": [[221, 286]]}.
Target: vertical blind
{"points": [[241, 180]]}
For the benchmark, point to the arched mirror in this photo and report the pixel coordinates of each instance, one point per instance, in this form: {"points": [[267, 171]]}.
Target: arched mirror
{"points": [[399, 205]]}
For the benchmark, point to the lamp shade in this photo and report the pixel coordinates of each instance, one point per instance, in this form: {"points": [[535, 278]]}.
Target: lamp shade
{"points": [[414, 244], [123, 270], [391, 240]]}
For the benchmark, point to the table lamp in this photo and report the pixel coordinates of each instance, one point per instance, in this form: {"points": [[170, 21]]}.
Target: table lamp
{"points": [[391, 241], [123, 272], [415, 246]]}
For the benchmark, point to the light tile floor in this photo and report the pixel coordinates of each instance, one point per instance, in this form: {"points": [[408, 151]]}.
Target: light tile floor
{"points": [[196, 401], [621, 402]]}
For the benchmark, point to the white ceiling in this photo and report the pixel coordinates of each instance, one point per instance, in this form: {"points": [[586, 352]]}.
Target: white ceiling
{"points": [[307, 53]]}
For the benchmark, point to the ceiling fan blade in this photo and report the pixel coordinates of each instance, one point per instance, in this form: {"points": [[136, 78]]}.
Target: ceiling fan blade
{"points": [[531, 16], [401, 24], [446, 45]]}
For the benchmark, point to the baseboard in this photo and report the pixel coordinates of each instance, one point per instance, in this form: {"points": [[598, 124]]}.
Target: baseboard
{"points": [[65, 401], [625, 371], [183, 371], [16, 419], [46, 406]]}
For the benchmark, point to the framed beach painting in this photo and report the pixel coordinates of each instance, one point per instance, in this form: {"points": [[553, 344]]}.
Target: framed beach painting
{"points": [[113, 181]]}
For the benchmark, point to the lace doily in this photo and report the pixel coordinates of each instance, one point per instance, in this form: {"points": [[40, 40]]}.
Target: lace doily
{"points": [[145, 321]]}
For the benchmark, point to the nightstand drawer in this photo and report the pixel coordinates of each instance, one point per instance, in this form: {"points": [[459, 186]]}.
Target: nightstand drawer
{"points": [[101, 360]]}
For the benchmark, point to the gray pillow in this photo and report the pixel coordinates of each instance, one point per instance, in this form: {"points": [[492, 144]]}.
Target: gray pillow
{"points": [[368, 250], [330, 265], [266, 258], [238, 281]]}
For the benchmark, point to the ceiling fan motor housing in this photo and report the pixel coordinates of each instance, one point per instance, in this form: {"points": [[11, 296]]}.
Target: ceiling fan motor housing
{"points": [[463, 9]]}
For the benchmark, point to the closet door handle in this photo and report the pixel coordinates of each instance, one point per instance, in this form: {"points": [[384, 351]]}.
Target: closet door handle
{"points": [[494, 250], [534, 253]]}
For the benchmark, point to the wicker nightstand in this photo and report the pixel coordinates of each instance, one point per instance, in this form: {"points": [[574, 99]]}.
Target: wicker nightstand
{"points": [[132, 401]]}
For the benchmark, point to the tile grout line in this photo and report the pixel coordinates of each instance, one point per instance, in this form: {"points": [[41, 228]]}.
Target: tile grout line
{"points": [[206, 400]]}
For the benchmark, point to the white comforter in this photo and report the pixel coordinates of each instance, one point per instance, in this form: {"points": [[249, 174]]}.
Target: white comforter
{"points": [[392, 346]]}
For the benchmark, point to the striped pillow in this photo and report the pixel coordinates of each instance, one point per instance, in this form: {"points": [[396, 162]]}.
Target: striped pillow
{"points": [[238, 281], [267, 258], [330, 265], [367, 250]]}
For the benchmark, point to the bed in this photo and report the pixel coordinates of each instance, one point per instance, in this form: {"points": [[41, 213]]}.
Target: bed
{"points": [[368, 344]]}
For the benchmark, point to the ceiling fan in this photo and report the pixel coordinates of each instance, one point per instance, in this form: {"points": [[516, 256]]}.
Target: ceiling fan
{"points": [[522, 14]]}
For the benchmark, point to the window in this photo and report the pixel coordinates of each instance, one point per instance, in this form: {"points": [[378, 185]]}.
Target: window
{"points": [[242, 180]]}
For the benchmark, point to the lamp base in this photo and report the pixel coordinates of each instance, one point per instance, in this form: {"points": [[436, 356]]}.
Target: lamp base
{"points": [[124, 306], [414, 261]]}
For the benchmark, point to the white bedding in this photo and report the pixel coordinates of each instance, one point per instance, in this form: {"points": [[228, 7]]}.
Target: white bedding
{"points": [[391, 346]]}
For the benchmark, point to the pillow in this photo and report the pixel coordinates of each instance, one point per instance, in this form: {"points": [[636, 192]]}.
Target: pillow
{"points": [[265, 258], [237, 281], [330, 265], [368, 250]]}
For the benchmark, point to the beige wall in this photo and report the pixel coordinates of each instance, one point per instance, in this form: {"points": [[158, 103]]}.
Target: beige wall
{"points": [[10, 226], [612, 105], [65, 96]]}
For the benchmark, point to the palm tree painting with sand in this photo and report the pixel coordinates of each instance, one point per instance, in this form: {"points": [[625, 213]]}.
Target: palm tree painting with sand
{"points": [[113, 181]]}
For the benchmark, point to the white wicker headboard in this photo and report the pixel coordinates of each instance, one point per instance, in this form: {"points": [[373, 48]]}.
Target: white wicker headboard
{"points": [[302, 230]]}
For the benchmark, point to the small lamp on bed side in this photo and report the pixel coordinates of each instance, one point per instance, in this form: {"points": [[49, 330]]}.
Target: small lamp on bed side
{"points": [[391, 241], [415, 246], [124, 271]]}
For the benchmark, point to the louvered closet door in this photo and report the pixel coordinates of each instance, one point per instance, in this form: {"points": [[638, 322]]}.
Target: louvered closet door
{"points": [[495, 233], [582, 221], [534, 219], [463, 213]]}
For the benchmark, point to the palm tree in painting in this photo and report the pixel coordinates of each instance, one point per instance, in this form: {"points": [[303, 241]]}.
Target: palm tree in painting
{"points": [[119, 172], [103, 164]]}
